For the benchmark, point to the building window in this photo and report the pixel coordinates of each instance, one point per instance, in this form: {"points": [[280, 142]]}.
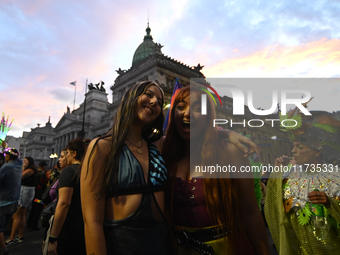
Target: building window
{"points": [[42, 138]]}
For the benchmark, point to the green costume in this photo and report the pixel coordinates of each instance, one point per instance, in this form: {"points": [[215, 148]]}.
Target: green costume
{"points": [[293, 221]]}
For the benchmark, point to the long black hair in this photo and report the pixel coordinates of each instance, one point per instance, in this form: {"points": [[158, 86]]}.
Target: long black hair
{"points": [[31, 164], [78, 145]]}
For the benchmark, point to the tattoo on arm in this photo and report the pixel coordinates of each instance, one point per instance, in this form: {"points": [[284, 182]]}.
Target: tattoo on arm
{"points": [[98, 196]]}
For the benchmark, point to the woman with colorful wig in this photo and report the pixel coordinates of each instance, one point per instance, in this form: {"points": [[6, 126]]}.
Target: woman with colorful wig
{"points": [[211, 213], [124, 177]]}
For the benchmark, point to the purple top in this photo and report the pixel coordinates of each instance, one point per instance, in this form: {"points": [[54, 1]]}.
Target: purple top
{"points": [[189, 207], [53, 191]]}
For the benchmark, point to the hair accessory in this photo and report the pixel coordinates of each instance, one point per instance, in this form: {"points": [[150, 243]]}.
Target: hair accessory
{"points": [[87, 141], [139, 150], [320, 132], [11, 151]]}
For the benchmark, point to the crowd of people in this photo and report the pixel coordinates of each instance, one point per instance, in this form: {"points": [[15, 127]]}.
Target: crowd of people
{"points": [[135, 190]]}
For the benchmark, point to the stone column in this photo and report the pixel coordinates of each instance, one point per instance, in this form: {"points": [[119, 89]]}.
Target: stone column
{"points": [[62, 142], [57, 147]]}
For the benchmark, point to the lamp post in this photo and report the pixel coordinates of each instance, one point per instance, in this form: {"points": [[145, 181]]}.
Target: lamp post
{"points": [[52, 157]]}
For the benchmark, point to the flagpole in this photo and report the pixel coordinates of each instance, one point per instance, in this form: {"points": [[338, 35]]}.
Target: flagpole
{"points": [[75, 90], [82, 128]]}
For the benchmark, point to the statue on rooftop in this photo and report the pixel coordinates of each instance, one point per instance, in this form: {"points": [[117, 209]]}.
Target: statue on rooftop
{"points": [[90, 86], [198, 67], [120, 71], [157, 47], [102, 86]]}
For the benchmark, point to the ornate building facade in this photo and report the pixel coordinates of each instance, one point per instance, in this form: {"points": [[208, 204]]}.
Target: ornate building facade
{"points": [[148, 64]]}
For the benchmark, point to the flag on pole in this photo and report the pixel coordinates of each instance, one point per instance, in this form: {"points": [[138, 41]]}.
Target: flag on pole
{"points": [[178, 85], [75, 88]]}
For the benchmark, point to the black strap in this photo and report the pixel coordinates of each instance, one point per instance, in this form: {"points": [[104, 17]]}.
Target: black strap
{"points": [[136, 190], [184, 238]]}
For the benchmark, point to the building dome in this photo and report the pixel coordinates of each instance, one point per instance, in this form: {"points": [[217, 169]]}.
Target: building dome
{"points": [[145, 49]]}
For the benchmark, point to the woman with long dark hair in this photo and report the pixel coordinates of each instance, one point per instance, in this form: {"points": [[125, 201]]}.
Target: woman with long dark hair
{"points": [[67, 233], [28, 182], [213, 214], [123, 179]]}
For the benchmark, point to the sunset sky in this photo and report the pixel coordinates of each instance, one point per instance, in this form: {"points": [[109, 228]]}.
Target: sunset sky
{"points": [[45, 45]]}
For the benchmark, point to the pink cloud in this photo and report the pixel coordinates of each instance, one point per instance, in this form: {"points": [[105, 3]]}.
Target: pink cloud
{"points": [[309, 59]]}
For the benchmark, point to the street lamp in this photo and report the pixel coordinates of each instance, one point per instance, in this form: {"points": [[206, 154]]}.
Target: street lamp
{"points": [[52, 157]]}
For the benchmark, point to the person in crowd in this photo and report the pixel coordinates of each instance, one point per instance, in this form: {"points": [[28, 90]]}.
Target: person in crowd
{"points": [[54, 174], [54, 178], [302, 205], [2, 159], [123, 179], [53, 184], [210, 214], [10, 183], [37, 203], [28, 183], [67, 232]]}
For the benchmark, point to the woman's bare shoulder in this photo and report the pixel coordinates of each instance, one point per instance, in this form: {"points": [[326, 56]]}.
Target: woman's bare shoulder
{"points": [[101, 143], [99, 148]]}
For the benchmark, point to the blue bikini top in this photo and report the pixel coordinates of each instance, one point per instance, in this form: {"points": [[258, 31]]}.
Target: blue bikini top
{"points": [[130, 179]]}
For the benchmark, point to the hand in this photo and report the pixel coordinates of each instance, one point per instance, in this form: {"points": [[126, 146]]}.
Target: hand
{"points": [[318, 197], [3, 144], [237, 139], [52, 248], [283, 160]]}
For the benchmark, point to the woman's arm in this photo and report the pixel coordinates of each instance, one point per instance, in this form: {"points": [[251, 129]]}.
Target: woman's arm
{"points": [[238, 140], [254, 225], [26, 173], [64, 201], [93, 199]]}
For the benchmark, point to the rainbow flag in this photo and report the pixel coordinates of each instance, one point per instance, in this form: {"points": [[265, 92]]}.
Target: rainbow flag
{"points": [[178, 85], [38, 201]]}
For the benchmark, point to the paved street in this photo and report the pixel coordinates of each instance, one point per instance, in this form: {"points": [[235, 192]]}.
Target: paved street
{"points": [[33, 242], [30, 246]]}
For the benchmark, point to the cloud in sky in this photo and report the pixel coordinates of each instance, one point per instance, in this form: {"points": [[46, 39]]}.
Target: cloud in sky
{"points": [[45, 45], [315, 59]]}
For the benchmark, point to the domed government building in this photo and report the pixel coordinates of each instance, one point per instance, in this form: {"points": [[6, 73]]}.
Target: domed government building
{"points": [[148, 64]]}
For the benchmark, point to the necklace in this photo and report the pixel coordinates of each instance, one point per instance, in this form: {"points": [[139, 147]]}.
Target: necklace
{"points": [[139, 150]]}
